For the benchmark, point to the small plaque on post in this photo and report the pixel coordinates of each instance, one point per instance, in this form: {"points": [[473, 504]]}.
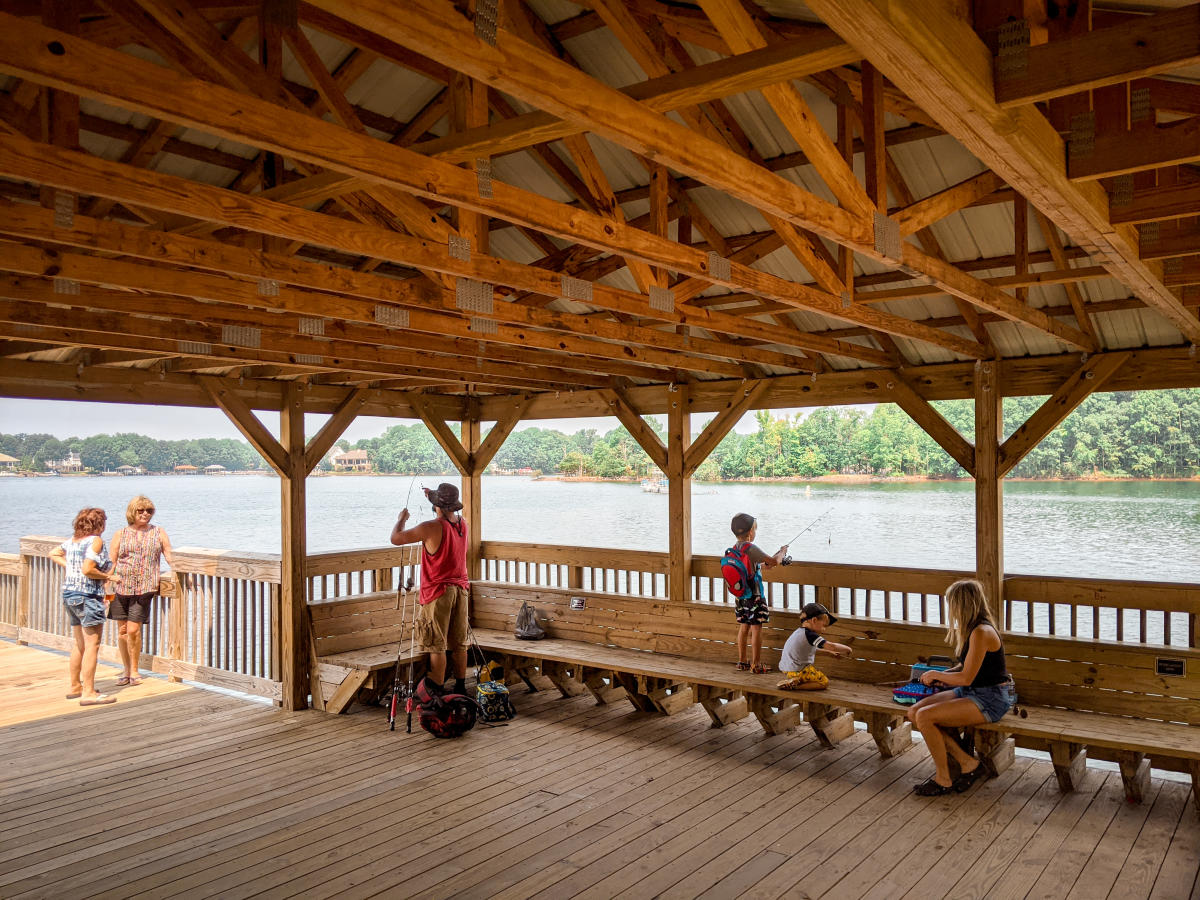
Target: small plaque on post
{"points": [[576, 603], [1164, 665]]}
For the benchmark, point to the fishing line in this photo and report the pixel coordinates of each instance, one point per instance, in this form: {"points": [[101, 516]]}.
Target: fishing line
{"points": [[787, 560]]}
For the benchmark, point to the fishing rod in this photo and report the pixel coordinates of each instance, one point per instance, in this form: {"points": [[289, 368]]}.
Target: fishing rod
{"points": [[787, 560], [410, 487], [396, 688]]}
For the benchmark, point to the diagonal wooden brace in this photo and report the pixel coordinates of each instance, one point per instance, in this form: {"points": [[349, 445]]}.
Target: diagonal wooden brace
{"points": [[721, 705], [567, 677], [831, 724], [1135, 774], [893, 734], [634, 692], [1069, 761], [673, 698], [603, 685], [776, 715]]}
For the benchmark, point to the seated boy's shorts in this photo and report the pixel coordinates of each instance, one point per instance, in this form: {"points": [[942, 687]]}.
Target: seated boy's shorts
{"points": [[810, 678], [751, 611], [442, 623], [993, 701], [83, 609]]}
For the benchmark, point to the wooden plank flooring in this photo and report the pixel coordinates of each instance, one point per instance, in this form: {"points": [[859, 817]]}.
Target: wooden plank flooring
{"points": [[180, 792]]}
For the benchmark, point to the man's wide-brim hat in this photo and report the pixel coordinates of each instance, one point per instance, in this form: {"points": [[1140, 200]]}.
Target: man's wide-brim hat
{"points": [[445, 497]]}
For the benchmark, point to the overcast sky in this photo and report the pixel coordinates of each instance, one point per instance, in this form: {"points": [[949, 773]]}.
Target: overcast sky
{"points": [[65, 419]]}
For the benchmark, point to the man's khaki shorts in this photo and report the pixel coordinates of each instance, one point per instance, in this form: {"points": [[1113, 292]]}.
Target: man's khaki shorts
{"points": [[442, 624]]}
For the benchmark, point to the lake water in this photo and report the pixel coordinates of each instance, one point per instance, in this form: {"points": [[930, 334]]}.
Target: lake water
{"points": [[1141, 530]]}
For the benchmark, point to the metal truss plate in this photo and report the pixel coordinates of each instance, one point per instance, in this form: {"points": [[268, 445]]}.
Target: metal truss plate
{"points": [[66, 286], [718, 266], [391, 315], [64, 209], [308, 359], [241, 336], [268, 288], [1012, 50], [473, 296], [480, 325], [575, 289], [662, 299], [1082, 141], [485, 21], [483, 178], [459, 247], [195, 348], [887, 237], [312, 326]]}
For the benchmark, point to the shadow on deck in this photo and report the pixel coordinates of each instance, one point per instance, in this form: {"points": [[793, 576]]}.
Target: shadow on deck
{"points": [[183, 792]]}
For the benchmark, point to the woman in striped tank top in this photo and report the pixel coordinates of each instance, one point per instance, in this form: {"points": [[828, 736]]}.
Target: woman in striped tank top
{"points": [[136, 552]]}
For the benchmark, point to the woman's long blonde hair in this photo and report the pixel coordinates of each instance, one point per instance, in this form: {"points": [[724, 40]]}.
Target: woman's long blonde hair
{"points": [[966, 610]]}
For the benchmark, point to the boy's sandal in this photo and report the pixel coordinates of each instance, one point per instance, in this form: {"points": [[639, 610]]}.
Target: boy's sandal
{"points": [[760, 669], [743, 666], [930, 788], [964, 781], [122, 681]]}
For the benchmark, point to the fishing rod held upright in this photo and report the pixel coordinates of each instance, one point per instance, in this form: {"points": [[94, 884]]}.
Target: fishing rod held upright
{"points": [[787, 560]]}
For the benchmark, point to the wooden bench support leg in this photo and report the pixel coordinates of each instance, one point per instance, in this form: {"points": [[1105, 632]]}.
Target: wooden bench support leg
{"points": [[831, 724], [996, 750], [640, 701], [673, 698], [1194, 769], [567, 678], [522, 668], [1135, 773], [344, 695], [893, 734], [1069, 760], [776, 715], [603, 685], [722, 706]]}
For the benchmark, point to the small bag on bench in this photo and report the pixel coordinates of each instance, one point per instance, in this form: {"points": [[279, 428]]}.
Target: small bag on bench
{"points": [[915, 691], [528, 627]]}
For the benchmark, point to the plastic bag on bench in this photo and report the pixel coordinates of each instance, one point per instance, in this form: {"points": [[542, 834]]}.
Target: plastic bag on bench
{"points": [[528, 628]]}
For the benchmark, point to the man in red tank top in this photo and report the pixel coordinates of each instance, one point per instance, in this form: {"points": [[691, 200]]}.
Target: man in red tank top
{"points": [[441, 619]]}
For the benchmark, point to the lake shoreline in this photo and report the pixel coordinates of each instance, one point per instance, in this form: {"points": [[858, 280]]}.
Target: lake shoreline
{"points": [[867, 479]]}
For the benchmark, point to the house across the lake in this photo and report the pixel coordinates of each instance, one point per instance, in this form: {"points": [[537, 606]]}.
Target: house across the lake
{"points": [[70, 463], [8, 463], [352, 461]]}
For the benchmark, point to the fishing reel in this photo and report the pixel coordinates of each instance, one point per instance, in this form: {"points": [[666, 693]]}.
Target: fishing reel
{"points": [[786, 561]]}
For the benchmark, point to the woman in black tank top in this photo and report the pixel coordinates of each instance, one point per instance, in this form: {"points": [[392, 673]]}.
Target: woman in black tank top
{"points": [[977, 690]]}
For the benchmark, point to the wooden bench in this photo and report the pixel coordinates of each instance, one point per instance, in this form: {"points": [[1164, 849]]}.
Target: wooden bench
{"points": [[355, 643], [666, 657]]}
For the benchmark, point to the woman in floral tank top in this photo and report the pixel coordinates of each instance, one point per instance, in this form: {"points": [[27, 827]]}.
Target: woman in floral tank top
{"points": [[136, 551]]}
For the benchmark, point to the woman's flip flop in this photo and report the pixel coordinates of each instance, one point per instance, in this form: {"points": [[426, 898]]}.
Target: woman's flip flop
{"points": [[122, 681], [98, 700]]}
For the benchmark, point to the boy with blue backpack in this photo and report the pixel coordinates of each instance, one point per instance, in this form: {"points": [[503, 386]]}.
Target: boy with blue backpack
{"points": [[741, 566]]}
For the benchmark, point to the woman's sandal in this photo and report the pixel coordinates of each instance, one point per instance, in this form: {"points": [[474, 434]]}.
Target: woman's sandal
{"points": [[964, 781], [122, 681], [930, 788], [743, 666], [760, 669]]}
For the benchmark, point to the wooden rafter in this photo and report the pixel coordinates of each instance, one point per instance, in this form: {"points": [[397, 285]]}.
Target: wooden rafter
{"points": [[923, 213], [1088, 379], [619, 405], [939, 61], [322, 442], [932, 422], [506, 421], [1074, 289], [442, 434], [247, 423], [741, 399]]}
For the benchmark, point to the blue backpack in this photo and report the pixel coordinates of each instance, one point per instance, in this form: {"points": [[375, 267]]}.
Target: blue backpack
{"points": [[741, 575]]}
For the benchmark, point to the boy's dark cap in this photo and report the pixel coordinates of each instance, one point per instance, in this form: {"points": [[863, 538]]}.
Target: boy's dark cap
{"points": [[742, 523], [445, 497], [812, 610]]}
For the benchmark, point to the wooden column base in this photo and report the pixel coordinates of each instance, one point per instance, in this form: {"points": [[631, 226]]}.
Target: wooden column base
{"points": [[1069, 760], [722, 707], [996, 750], [893, 734], [1194, 769], [776, 716], [831, 724], [1135, 774]]}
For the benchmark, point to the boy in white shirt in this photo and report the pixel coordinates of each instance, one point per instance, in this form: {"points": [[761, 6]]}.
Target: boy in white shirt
{"points": [[801, 649]]}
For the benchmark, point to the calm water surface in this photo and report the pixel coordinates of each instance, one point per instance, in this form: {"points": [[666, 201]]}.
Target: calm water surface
{"points": [[1143, 530]]}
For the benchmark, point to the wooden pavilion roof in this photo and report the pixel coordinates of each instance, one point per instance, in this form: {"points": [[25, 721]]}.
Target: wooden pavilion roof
{"points": [[544, 198]]}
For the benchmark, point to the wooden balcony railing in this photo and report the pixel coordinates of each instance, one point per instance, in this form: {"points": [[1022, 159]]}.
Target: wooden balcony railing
{"points": [[217, 621]]}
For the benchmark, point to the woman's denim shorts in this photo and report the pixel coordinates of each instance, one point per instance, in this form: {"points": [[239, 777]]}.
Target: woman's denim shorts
{"points": [[993, 701], [83, 609]]}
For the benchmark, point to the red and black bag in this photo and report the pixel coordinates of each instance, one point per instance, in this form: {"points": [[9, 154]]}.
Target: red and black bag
{"points": [[444, 715]]}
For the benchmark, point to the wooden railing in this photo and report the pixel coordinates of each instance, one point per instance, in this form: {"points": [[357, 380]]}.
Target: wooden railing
{"points": [[217, 620]]}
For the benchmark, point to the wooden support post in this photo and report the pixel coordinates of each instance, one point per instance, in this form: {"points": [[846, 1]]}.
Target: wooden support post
{"points": [[1135, 774], [989, 491], [340, 700], [24, 596], [777, 716], [567, 678], [177, 624], [679, 522], [996, 750], [1194, 771], [893, 734], [295, 640], [831, 724], [472, 497], [722, 706], [1069, 761]]}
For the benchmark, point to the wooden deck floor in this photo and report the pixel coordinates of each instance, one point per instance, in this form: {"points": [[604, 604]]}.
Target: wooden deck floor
{"points": [[187, 793]]}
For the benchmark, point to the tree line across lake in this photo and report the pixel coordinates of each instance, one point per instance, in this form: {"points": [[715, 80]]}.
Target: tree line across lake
{"points": [[1144, 434]]}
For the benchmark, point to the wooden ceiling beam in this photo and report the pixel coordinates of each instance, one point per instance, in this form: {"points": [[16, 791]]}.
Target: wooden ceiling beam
{"points": [[923, 213], [711, 81], [1158, 204], [741, 399], [1123, 151], [617, 401], [90, 175], [935, 57], [1032, 279], [1133, 49], [244, 118], [932, 422], [1075, 292]]}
